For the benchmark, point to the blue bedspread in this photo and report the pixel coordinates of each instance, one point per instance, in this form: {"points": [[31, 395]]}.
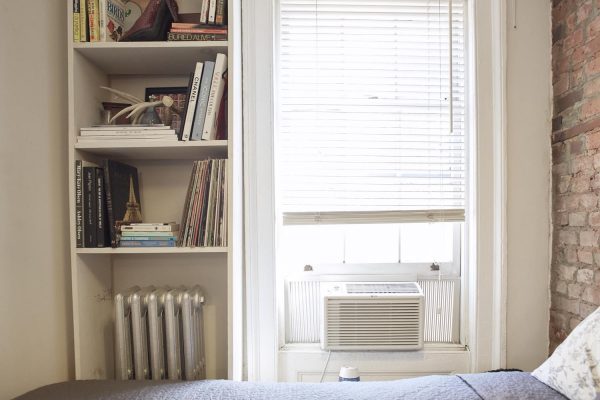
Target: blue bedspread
{"points": [[499, 385]]}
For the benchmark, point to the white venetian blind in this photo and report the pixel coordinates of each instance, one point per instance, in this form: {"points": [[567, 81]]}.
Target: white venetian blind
{"points": [[371, 108]]}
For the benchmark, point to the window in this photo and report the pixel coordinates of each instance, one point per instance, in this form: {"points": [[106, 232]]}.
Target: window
{"points": [[370, 137]]}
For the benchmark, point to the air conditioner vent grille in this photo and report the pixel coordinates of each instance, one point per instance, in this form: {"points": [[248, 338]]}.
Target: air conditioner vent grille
{"points": [[374, 324], [382, 288]]}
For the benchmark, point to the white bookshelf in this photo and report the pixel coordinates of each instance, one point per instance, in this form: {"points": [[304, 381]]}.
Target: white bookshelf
{"points": [[164, 168]]}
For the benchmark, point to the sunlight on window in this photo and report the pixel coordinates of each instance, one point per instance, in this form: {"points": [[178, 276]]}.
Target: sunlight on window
{"points": [[367, 243], [426, 243]]}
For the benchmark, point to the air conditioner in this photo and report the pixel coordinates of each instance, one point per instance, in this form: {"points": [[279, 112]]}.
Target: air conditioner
{"points": [[372, 316]]}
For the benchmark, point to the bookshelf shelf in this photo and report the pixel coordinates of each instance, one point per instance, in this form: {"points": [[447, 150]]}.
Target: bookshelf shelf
{"points": [[154, 250], [156, 150], [126, 58]]}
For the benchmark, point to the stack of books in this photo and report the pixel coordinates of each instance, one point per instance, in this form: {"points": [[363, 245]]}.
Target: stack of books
{"points": [[127, 132], [161, 234], [185, 32], [204, 221]]}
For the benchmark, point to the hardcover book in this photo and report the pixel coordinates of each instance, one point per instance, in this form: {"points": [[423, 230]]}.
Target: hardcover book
{"points": [[112, 20], [90, 203], [192, 99], [93, 20], [122, 196], [217, 88], [202, 103], [76, 21]]}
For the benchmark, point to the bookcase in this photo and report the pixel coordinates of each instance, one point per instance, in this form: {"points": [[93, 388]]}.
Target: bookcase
{"points": [[164, 171]]}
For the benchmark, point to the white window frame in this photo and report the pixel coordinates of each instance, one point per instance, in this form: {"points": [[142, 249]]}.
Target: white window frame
{"points": [[485, 306]]}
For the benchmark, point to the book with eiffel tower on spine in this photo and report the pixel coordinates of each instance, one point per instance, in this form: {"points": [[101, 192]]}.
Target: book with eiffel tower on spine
{"points": [[123, 201]]}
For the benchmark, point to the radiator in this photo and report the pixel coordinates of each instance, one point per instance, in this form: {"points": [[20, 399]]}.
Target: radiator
{"points": [[442, 300], [159, 334]]}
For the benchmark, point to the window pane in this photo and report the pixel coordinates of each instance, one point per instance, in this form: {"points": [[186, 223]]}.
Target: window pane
{"points": [[426, 243], [311, 244], [372, 243]]}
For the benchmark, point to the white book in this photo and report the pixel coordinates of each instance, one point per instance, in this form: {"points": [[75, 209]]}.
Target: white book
{"points": [[189, 116], [129, 132], [212, 10], [204, 12], [127, 137], [131, 127], [153, 223], [209, 132], [102, 19], [156, 228]]}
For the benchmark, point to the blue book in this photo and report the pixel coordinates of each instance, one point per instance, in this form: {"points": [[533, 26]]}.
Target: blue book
{"points": [[147, 243], [202, 103]]}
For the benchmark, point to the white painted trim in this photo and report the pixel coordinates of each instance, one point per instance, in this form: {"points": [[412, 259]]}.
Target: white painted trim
{"points": [[259, 210], [485, 322], [499, 40]]}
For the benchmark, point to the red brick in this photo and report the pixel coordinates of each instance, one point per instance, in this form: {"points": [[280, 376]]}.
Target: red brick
{"points": [[591, 68], [584, 12], [591, 294], [591, 88], [562, 84], [593, 27], [567, 237], [594, 219], [573, 40], [590, 109], [570, 255], [585, 276], [588, 238], [568, 305], [581, 183], [585, 256], [566, 272]]}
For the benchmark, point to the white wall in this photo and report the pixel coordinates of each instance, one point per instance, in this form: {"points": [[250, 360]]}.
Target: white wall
{"points": [[529, 99], [35, 306]]}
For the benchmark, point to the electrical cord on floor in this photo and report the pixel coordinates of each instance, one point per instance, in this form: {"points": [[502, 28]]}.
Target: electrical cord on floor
{"points": [[325, 368]]}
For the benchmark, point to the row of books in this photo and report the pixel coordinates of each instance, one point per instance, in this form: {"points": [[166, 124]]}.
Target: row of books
{"points": [[108, 209], [106, 196], [184, 31], [127, 132], [98, 20], [160, 234], [205, 113], [204, 221]]}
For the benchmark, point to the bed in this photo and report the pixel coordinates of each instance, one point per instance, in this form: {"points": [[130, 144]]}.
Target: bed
{"points": [[497, 385]]}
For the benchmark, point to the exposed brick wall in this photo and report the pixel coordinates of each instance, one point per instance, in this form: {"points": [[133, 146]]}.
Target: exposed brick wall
{"points": [[576, 164]]}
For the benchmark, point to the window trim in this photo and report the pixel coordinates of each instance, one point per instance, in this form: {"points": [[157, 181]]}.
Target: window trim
{"points": [[485, 307]]}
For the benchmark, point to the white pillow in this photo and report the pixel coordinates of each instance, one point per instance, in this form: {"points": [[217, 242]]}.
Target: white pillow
{"points": [[574, 367]]}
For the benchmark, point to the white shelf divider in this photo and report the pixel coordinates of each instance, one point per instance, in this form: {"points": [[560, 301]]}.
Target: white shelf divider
{"points": [[154, 150]]}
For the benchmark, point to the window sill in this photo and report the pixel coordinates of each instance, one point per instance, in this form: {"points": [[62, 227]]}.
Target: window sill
{"points": [[428, 348]]}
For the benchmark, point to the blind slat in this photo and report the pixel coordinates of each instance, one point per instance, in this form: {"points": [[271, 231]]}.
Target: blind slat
{"points": [[371, 109]]}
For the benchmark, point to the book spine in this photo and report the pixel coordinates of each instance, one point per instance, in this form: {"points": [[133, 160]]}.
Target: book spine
{"points": [[191, 106], [102, 20], [147, 243], [76, 22], [204, 12], [109, 206], [220, 12], [100, 209], [222, 115], [165, 228], [149, 234], [83, 19], [202, 103], [196, 37], [79, 242], [89, 196], [205, 31], [93, 20], [212, 10], [209, 132], [161, 238]]}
